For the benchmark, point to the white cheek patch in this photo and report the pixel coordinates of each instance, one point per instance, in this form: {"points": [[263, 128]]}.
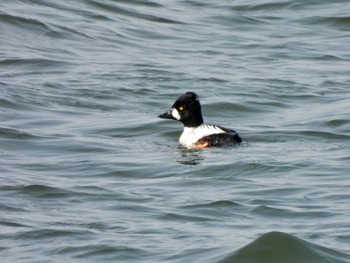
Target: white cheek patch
{"points": [[175, 114]]}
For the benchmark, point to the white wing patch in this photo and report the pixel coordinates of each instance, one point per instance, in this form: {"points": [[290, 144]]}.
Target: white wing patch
{"points": [[190, 136], [211, 129]]}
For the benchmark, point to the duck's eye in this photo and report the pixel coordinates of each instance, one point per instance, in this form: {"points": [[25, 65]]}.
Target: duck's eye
{"points": [[181, 108]]}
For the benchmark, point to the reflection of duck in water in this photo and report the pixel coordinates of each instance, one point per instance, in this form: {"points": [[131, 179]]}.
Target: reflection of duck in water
{"points": [[187, 109], [189, 156]]}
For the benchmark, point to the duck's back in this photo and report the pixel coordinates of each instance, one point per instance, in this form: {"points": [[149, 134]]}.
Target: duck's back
{"points": [[209, 135]]}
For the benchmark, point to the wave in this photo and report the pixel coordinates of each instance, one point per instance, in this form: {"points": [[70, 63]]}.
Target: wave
{"points": [[277, 247]]}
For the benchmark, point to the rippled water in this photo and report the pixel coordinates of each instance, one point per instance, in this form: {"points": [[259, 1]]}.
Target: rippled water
{"points": [[89, 174]]}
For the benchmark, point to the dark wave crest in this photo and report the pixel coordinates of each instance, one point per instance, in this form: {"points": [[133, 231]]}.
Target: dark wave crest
{"points": [[277, 247]]}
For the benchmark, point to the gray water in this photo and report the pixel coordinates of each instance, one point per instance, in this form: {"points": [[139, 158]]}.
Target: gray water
{"points": [[89, 174]]}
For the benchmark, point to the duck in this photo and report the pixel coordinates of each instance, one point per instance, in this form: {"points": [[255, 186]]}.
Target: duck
{"points": [[196, 134]]}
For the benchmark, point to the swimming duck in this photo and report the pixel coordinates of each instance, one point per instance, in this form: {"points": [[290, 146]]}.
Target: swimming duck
{"points": [[196, 134]]}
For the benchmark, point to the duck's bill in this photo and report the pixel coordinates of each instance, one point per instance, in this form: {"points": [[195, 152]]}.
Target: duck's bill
{"points": [[166, 115]]}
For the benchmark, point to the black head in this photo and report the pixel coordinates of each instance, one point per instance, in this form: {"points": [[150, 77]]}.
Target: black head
{"points": [[186, 109]]}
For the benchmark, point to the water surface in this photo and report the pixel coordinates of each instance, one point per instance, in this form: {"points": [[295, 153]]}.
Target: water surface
{"points": [[88, 173]]}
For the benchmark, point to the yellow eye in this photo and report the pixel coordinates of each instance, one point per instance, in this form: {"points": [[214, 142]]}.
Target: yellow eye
{"points": [[181, 108]]}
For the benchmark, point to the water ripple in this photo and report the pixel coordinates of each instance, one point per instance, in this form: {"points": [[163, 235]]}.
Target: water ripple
{"points": [[89, 173]]}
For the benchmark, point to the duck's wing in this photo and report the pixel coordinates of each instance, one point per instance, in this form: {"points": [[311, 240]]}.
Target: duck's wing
{"points": [[220, 137]]}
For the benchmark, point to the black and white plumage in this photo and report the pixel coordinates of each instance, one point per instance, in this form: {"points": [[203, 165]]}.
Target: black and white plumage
{"points": [[187, 109]]}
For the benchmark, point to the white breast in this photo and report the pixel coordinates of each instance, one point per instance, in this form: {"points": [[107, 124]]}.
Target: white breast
{"points": [[190, 135]]}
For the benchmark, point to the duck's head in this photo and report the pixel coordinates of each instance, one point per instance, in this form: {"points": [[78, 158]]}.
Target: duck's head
{"points": [[186, 109]]}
